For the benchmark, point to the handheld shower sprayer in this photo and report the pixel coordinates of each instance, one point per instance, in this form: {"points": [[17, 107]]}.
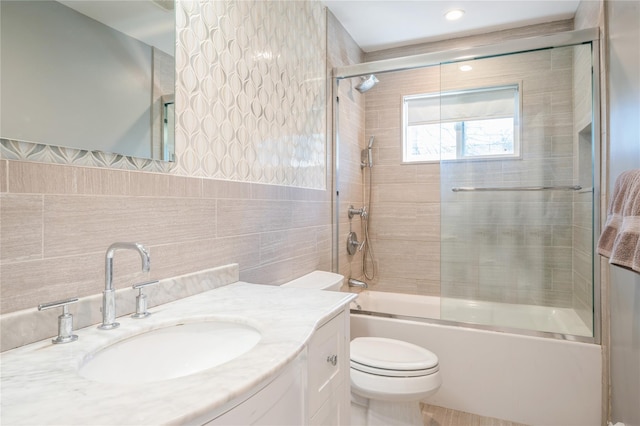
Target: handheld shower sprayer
{"points": [[366, 155]]}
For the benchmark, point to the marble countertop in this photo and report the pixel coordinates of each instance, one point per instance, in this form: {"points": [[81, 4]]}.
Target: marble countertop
{"points": [[40, 383]]}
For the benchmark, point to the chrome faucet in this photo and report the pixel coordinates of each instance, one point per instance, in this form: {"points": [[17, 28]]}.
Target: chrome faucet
{"points": [[109, 294]]}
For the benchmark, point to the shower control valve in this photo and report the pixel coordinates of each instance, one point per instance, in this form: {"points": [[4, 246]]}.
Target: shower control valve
{"points": [[359, 212], [353, 245]]}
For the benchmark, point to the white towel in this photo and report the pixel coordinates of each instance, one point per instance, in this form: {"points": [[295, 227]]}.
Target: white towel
{"points": [[620, 239]]}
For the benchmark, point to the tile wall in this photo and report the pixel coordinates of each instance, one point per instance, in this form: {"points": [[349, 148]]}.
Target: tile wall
{"points": [[252, 91], [342, 50], [250, 97], [57, 222], [405, 218], [582, 230], [59, 219], [520, 242], [405, 211]]}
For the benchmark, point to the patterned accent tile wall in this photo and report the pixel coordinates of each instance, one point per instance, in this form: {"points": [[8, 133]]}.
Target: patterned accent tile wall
{"points": [[251, 91]]}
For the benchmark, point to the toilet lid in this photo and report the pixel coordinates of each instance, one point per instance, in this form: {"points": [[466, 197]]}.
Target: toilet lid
{"points": [[391, 354]]}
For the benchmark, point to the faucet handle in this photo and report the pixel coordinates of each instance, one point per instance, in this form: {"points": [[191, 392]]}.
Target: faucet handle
{"points": [[141, 299], [65, 320]]}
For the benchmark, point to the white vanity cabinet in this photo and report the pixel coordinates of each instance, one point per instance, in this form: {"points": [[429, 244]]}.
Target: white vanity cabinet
{"points": [[328, 373], [312, 390], [297, 373], [281, 402]]}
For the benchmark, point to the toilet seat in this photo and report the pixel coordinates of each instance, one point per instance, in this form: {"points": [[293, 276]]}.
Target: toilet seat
{"points": [[393, 373], [391, 358]]}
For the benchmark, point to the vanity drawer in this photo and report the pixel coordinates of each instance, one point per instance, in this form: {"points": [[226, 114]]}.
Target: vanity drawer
{"points": [[327, 363]]}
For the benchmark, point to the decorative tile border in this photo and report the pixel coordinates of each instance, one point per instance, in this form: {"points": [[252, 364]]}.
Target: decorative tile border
{"points": [[30, 151]]}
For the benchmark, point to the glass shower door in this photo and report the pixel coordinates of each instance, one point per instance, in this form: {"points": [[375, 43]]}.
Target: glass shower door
{"points": [[517, 191]]}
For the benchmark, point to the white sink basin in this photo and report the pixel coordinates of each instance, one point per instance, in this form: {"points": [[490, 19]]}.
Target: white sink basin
{"points": [[170, 352]]}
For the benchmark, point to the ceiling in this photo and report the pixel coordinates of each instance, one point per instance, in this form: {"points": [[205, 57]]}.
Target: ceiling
{"points": [[383, 24], [373, 24]]}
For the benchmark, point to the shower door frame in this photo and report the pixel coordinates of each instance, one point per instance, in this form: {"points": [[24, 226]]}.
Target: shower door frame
{"points": [[564, 39]]}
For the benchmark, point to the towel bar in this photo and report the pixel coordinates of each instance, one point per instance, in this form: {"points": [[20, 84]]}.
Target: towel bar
{"points": [[518, 188]]}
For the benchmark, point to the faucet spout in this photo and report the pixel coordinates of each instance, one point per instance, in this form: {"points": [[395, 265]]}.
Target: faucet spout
{"points": [[142, 250], [109, 294], [357, 283]]}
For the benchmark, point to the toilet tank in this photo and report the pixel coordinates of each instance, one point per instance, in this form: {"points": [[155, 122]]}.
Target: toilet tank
{"points": [[320, 280]]}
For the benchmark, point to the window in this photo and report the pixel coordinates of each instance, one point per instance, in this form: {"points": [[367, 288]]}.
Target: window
{"points": [[466, 124]]}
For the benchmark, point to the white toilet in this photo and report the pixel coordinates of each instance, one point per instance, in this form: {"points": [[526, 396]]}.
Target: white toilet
{"points": [[388, 377]]}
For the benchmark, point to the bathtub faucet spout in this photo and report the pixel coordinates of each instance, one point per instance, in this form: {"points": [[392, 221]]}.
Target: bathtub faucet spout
{"points": [[357, 283]]}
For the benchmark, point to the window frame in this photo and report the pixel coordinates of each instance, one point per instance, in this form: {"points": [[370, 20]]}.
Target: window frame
{"points": [[517, 124]]}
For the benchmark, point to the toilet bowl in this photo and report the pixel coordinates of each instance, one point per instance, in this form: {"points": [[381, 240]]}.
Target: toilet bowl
{"points": [[393, 370], [388, 377]]}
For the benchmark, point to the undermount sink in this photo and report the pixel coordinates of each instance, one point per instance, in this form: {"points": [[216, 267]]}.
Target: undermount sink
{"points": [[170, 352]]}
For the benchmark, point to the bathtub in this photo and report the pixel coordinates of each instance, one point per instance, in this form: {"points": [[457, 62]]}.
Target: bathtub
{"points": [[521, 378], [564, 321]]}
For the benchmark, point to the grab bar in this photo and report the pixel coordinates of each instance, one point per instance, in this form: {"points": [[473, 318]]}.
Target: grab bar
{"points": [[517, 188]]}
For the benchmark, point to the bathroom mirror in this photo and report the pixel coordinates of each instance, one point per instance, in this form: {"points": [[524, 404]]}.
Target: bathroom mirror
{"points": [[93, 75]]}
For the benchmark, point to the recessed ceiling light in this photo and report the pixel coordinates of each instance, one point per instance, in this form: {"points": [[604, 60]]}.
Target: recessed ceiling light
{"points": [[466, 67], [454, 14]]}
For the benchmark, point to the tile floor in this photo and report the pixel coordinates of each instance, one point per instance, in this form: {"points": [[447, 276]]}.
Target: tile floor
{"points": [[439, 416]]}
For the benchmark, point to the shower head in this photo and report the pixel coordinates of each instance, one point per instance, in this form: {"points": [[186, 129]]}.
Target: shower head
{"points": [[366, 83], [371, 139]]}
